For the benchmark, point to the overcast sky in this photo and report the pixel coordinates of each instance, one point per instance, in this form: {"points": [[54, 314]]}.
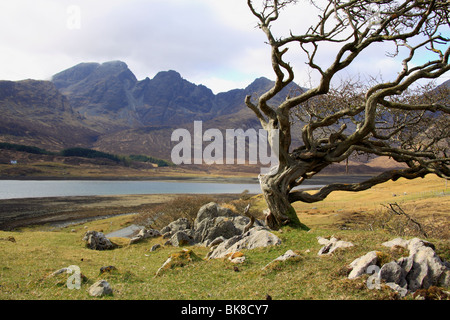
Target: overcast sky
{"points": [[209, 42]]}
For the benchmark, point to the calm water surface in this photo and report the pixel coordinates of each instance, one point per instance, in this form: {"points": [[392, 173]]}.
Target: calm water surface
{"points": [[13, 189], [10, 189]]}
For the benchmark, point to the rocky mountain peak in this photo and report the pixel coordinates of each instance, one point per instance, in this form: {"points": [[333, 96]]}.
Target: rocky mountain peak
{"points": [[167, 75], [259, 85], [89, 72]]}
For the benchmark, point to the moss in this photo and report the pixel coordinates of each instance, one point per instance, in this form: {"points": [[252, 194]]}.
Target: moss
{"points": [[181, 258], [383, 258], [398, 252], [432, 293]]}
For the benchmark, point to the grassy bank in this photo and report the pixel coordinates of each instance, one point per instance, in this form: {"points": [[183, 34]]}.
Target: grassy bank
{"points": [[27, 262]]}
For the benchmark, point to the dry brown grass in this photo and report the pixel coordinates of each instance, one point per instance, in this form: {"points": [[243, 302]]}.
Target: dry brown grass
{"points": [[425, 200], [179, 207]]}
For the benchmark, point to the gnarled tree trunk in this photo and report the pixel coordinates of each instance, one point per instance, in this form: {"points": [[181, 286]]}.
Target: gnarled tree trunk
{"points": [[275, 187]]}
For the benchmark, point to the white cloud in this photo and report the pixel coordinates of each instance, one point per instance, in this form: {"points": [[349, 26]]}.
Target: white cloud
{"points": [[212, 42], [193, 37]]}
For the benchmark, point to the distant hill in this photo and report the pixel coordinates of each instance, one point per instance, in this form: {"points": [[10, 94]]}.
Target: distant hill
{"points": [[36, 113]]}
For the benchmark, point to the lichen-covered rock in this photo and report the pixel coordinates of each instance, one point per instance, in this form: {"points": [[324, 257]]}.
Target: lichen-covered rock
{"points": [[181, 238], [396, 242], [210, 211], [97, 241], [254, 238], [412, 244], [213, 225], [422, 269], [180, 224], [209, 229], [331, 245]]}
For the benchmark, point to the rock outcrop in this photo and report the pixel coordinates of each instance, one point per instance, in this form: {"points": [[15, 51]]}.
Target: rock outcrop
{"points": [[221, 229], [212, 225], [360, 265], [175, 226], [422, 269]]}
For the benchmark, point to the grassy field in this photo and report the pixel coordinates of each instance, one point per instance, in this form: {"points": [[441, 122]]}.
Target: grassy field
{"points": [[26, 263]]}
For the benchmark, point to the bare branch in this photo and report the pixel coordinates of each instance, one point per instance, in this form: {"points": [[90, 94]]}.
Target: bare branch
{"points": [[355, 187]]}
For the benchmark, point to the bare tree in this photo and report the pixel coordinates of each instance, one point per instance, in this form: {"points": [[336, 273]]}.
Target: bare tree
{"points": [[382, 118]]}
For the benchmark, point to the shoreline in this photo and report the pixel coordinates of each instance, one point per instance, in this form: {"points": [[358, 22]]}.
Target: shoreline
{"points": [[53, 211], [23, 212]]}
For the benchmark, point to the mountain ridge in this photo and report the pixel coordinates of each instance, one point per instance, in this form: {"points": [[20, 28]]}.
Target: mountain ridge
{"points": [[104, 106], [95, 89]]}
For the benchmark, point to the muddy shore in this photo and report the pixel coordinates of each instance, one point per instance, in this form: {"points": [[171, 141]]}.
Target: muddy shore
{"points": [[54, 211]]}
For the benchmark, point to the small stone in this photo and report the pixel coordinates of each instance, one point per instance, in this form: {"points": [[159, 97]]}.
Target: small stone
{"points": [[100, 288], [144, 234], [286, 256], [60, 271], [155, 247], [331, 245]]}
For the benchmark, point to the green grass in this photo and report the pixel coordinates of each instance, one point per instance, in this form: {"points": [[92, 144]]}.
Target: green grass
{"points": [[26, 264]]}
